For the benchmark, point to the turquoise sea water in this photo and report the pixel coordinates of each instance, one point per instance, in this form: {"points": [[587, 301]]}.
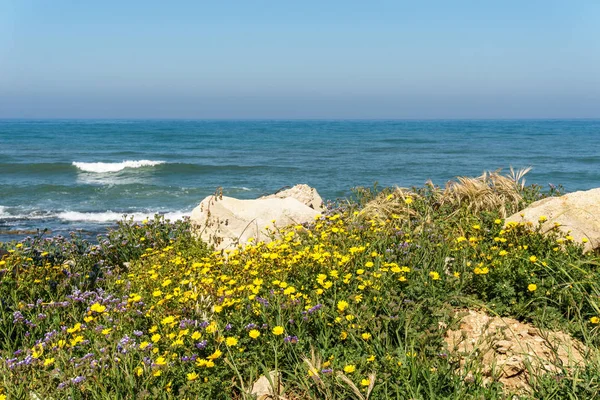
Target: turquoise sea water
{"points": [[67, 175]]}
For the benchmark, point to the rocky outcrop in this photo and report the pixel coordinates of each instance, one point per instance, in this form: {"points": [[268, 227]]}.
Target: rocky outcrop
{"points": [[510, 351], [577, 214], [303, 193], [224, 222]]}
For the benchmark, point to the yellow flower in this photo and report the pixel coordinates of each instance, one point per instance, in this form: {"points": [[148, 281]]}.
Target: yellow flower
{"points": [[168, 320], [156, 337], [212, 327], [502, 253], [343, 335], [543, 218], [97, 307], [595, 320], [342, 305], [371, 358], [278, 330], [533, 259], [408, 200], [366, 336], [192, 376], [106, 331], [201, 362], [48, 361], [365, 382], [434, 275], [160, 361], [37, 351], [498, 221], [143, 345], [139, 371], [231, 341], [481, 271], [74, 329], [349, 368], [215, 355], [584, 240], [254, 333], [532, 287], [196, 335], [477, 227]]}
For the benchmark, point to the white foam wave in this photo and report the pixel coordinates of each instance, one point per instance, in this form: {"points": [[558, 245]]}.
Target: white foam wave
{"points": [[100, 167], [110, 216], [5, 214]]}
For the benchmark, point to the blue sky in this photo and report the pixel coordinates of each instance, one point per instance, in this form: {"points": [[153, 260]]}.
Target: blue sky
{"points": [[303, 59]]}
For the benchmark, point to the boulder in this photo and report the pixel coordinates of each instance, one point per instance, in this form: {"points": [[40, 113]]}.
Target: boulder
{"points": [[225, 222], [303, 193], [510, 351], [577, 213]]}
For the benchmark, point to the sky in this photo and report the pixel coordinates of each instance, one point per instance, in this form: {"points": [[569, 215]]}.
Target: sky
{"points": [[300, 59]]}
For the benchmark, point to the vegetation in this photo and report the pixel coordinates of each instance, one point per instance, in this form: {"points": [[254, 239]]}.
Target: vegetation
{"points": [[354, 305]]}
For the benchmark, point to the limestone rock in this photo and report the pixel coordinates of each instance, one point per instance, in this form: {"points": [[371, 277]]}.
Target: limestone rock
{"points": [[508, 350], [303, 193], [578, 214], [263, 388], [226, 222]]}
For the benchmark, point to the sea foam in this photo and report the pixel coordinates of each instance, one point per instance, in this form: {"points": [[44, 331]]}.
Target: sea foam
{"points": [[100, 167], [110, 216]]}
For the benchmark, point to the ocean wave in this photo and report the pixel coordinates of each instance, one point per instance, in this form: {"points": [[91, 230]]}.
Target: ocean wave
{"points": [[100, 167], [91, 217], [110, 216]]}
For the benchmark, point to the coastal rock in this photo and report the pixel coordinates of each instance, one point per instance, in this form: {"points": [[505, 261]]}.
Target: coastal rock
{"points": [[263, 387], [303, 193], [510, 351], [576, 213], [225, 222]]}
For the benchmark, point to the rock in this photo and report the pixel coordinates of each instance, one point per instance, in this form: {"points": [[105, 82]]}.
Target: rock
{"points": [[303, 193], [226, 222], [577, 213], [263, 388], [507, 350]]}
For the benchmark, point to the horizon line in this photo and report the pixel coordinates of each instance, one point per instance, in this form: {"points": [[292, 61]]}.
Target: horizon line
{"points": [[294, 119]]}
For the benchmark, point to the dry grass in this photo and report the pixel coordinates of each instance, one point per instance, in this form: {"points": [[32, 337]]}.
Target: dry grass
{"points": [[491, 191], [385, 206]]}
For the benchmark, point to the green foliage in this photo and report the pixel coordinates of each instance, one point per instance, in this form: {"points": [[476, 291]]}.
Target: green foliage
{"points": [[348, 307]]}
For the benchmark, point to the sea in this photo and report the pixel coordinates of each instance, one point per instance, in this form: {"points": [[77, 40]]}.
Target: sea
{"points": [[85, 175]]}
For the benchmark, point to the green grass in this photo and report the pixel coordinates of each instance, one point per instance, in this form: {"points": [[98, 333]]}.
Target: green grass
{"points": [[364, 299]]}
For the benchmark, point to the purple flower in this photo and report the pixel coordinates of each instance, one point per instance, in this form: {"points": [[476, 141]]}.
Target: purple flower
{"points": [[262, 301], [201, 344], [291, 339], [315, 308]]}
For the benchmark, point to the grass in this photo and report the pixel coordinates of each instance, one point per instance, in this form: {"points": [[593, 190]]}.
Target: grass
{"points": [[354, 305]]}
